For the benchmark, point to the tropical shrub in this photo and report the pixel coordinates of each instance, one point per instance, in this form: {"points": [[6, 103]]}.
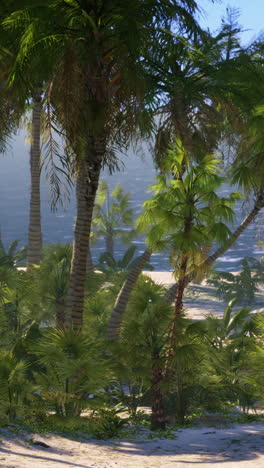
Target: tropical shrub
{"points": [[242, 286], [16, 390], [107, 424], [143, 354], [20, 305], [108, 264], [230, 341], [70, 374]]}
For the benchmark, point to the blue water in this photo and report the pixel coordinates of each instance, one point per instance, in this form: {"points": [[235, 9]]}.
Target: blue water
{"points": [[136, 177]]}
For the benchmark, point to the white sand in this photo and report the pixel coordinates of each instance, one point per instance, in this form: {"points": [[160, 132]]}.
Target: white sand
{"points": [[205, 302], [238, 446]]}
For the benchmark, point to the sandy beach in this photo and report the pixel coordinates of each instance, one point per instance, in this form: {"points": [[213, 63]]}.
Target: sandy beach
{"points": [[201, 299], [226, 447]]}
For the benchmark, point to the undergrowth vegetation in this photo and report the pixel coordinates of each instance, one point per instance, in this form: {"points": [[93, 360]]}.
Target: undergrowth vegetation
{"points": [[53, 379]]}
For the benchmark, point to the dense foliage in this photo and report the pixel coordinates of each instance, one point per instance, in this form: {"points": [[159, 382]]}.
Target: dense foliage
{"points": [[103, 75]]}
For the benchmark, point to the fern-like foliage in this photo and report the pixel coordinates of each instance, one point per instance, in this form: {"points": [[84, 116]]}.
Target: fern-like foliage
{"points": [[242, 286]]}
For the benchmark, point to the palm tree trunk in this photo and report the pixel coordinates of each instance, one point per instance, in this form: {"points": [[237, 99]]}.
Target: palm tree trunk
{"points": [[109, 244], [34, 234], [60, 314], [178, 309], [123, 296], [89, 262], [86, 188], [157, 409], [259, 204], [181, 286]]}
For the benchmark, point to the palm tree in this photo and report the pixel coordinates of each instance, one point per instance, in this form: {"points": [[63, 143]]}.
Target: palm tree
{"points": [[143, 343], [193, 91], [124, 295], [142, 351], [23, 88], [34, 231], [12, 105], [95, 77], [112, 215], [210, 260], [98, 73], [184, 215]]}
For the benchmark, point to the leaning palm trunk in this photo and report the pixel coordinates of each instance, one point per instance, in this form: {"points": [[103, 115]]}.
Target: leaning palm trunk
{"points": [[86, 188], [259, 204], [123, 296], [34, 234]]}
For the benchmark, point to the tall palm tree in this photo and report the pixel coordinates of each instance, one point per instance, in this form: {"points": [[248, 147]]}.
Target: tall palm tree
{"points": [[28, 87], [184, 215], [34, 231], [197, 80], [97, 89]]}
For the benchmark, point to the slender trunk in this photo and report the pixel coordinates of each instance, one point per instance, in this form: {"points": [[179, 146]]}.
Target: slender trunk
{"points": [[259, 204], [157, 409], [178, 309], [86, 188], [34, 234], [241, 228], [60, 313], [181, 286], [109, 244], [123, 296]]}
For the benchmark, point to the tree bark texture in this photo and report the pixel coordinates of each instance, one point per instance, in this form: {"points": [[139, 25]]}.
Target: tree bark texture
{"points": [[109, 244], [34, 233], [89, 262], [157, 409], [86, 188], [60, 314], [123, 296]]}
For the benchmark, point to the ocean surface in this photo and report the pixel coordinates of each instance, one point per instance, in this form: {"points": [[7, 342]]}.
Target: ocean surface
{"points": [[135, 177]]}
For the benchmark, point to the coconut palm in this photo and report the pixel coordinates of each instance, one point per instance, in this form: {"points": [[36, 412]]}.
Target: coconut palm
{"points": [[94, 75], [193, 95], [15, 89], [34, 233]]}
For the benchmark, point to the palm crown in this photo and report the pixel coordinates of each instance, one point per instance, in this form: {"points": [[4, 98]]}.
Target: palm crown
{"points": [[185, 212]]}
